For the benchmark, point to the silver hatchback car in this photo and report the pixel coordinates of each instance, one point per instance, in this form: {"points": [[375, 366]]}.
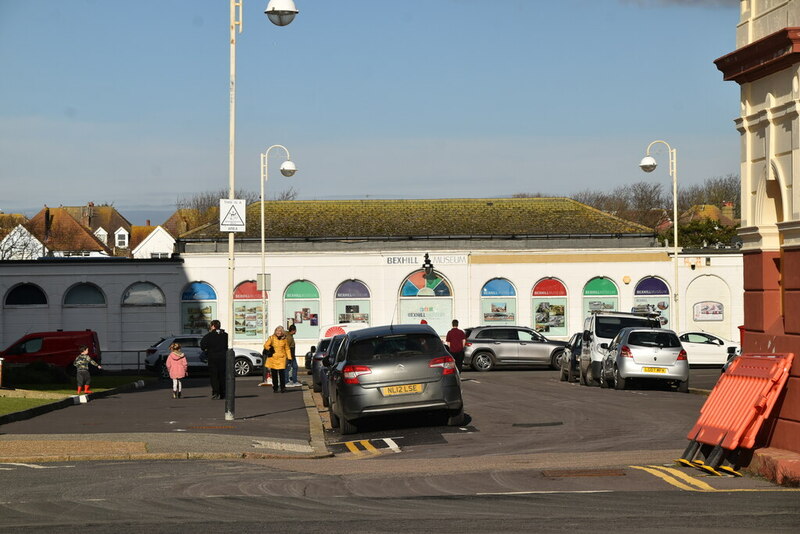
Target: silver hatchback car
{"points": [[392, 369], [645, 353]]}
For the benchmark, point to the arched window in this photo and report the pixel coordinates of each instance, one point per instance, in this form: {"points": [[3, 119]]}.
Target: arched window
{"points": [[428, 298], [143, 294], [84, 294], [549, 300], [249, 315], [352, 302], [499, 302], [301, 306], [198, 307], [652, 295], [600, 294], [26, 295]]}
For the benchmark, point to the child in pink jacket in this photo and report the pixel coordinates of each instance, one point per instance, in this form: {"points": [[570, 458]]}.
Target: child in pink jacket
{"points": [[177, 367]]}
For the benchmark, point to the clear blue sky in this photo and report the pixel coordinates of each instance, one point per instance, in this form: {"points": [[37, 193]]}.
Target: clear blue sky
{"points": [[126, 102]]}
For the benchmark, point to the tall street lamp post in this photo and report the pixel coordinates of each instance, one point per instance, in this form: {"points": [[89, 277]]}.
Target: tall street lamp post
{"points": [[280, 13], [649, 164], [288, 169]]}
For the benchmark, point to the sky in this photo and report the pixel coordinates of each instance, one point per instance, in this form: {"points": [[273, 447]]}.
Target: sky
{"points": [[127, 103]]}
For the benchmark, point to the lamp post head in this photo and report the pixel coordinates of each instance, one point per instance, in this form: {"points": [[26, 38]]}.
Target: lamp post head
{"points": [[288, 168], [648, 164], [281, 12]]}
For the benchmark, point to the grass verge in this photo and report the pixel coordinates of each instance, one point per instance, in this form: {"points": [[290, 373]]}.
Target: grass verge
{"points": [[11, 405]]}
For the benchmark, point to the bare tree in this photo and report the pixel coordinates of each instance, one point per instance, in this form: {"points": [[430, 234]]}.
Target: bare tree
{"points": [[714, 191], [20, 244], [286, 194]]}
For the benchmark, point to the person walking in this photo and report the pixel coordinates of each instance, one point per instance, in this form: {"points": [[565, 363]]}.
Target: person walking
{"points": [[455, 344], [215, 345], [278, 343], [178, 369], [291, 365], [82, 363]]}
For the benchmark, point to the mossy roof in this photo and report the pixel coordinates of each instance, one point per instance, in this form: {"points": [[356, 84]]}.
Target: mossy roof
{"points": [[462, 217]]}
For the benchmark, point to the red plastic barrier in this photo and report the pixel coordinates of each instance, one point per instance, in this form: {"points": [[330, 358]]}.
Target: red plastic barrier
{"points": [[742, 399]]}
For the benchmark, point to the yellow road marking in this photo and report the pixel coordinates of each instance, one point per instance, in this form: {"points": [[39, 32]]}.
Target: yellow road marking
{"points": [[686, 478], [352, 446], [665, 477], [369, 447]]}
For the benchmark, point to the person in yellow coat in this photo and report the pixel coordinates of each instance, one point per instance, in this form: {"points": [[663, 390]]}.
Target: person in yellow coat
{"points": [[278, 344]]}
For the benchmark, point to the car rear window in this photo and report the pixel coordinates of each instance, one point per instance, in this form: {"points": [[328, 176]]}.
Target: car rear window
{"points": [[395, 346], [608, 327], [654, 339]]}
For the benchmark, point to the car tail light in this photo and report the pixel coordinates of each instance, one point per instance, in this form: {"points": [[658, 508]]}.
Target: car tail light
{"points": [[682, 355], [352, 372], [625, 352], [447, 363]]}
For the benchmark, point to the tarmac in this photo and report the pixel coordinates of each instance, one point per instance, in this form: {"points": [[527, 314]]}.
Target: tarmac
{"points": [[142, 421]]}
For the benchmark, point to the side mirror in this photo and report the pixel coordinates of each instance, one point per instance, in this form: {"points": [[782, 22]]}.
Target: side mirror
{"points": [[313, 349], [587, 336], [327, 361], [604, 346]]}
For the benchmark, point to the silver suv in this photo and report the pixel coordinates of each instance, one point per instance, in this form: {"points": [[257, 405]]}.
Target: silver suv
{"points": [[488, 347], [247, 360]]}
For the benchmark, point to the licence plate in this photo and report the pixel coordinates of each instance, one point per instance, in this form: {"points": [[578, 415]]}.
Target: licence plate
{"points": [[654, 370], [402, 390]]}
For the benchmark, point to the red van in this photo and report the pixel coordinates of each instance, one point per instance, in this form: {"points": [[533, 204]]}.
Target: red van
{"points": [[58, 348]]}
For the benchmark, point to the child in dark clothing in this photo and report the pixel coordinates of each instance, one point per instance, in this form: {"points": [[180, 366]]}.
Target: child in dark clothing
{"points": [[82, 363]]}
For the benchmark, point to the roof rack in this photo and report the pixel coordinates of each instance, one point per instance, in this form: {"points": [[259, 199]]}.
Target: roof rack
{"points": [[636, 313]]}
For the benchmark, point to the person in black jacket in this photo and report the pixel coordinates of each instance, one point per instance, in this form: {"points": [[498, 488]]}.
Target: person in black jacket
{"points": [[215, 345]]}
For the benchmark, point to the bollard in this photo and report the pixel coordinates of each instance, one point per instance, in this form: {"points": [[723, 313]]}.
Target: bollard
{"points": [[230, 385], [1, 372]]}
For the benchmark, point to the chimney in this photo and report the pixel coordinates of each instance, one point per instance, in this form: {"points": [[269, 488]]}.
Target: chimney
{"points": [[47, 222], [727, 209], [147, 222]]}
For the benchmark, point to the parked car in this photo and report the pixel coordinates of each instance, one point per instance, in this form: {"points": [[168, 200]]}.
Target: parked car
{"points": [[645, 354], [315, 362], [333, 348], [320, 351], [569, 362], [392, 369], [488, 347], [58, 348], [703, 348], [732, 355], [598, 330], [246, 361]]}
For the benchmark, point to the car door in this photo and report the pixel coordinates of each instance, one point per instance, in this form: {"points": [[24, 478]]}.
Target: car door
{"points": [[532, 348], [703, 349], [190, 346], [504, 342]]}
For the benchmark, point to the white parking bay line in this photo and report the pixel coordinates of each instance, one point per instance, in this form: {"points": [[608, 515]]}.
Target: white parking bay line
{"points": [[34, 466], [392, 445], [545, 492]]}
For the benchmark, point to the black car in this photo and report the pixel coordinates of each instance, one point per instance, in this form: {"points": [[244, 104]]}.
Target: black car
{"points": [[392, 369], [570, 369], [315, 364]]}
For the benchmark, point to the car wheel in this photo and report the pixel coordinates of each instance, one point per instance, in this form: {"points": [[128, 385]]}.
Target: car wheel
{"points": [[555, 359], [334, 417], [603, 381], [242, 367], [345, 426], [563, 375], [683, 386], [457, 418], [483, 362], [164, 374], [619, 382]]}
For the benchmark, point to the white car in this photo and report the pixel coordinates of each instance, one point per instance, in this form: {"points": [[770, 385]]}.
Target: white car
{"points": [[703, 348], [247, 360]]}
